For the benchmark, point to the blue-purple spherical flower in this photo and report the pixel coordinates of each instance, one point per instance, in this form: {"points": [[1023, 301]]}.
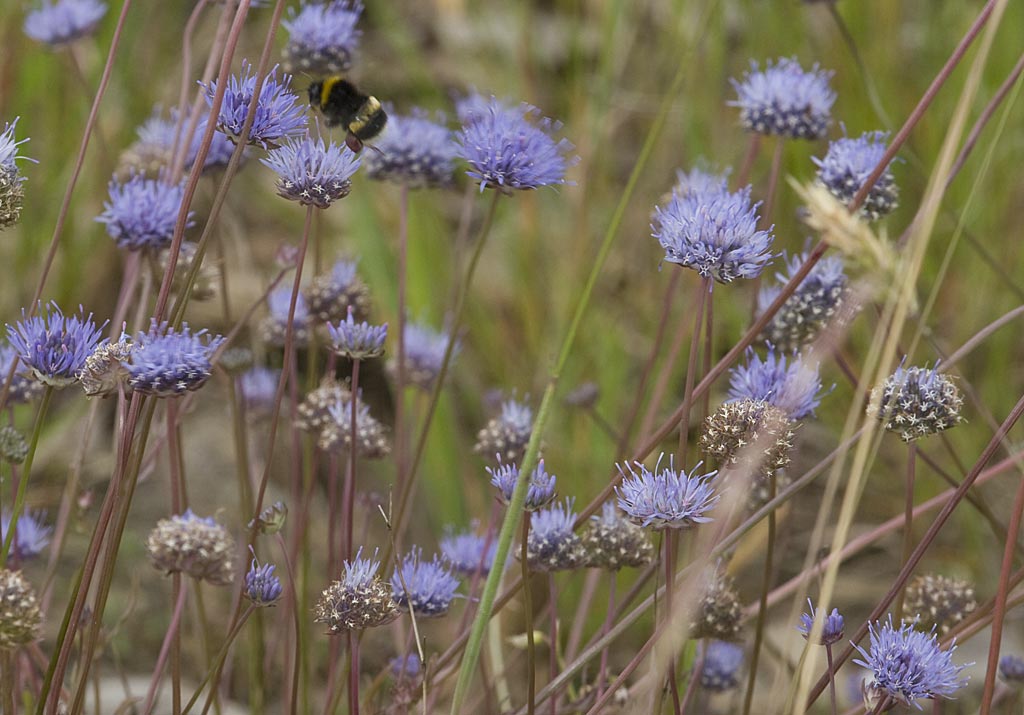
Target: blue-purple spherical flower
{"points": [[848, 164], [63, 21], [701, 183], [426, 587], [468, 552], [832, 628], [793, 386], [665, 498], [811, 306], [721, 666], [408, 666], [424, 354], [357, 341], [312, 172], [713, 232], [166, 362], [512, 148], [541, 489], [158, 137], [1011, 668], [262, 587], [322, 37], [274, 328], [414, 150], [473, 105], [23, 388], [552, 544], [910, 665], [916, 402], [55, 346], [258, 388], [784, 100], [31, 533], [279, 111], [141, 213]]}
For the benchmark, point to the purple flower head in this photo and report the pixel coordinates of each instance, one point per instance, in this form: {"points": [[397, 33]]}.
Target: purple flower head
{"points": [[784, 100], [909, 665], [262, 587], [275, 326], [12, 193], [53, 345], [832, 628], [331, 294], [158, 136], [64, 21], [279, 111], [714, 233], [510, 148], [408, 666], [794, 387], [808, 310], [9, 150], [359, 599], [360, 572], [541, 489], [848, 164], [166, 362], [427, 587], [720, 671], [322, 37], [465, 552], [1011, 668], [916, 402], [23, 388], [31, 534], [258, 387], [311, 172], [424, 353], [358, 341], [552, 544], [141, 213], [473, 105], [700, 183], [413, 150], [665, 498]]}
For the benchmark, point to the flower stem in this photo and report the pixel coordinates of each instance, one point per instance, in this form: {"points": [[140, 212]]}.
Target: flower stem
{"points": [[609, 615], [908, 520], [762, 610], [19, 497], [831, 678], [703, 291], [350, 477], [353, 673], [169, 638], [553, 640], [400, 419], [233, 632], [531, 648]]}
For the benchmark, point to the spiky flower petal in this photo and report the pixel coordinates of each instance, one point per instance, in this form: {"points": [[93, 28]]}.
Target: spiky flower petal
{"points": [[714, 233], [262, 587], [415, 151], [53, 345], [12, 193], [832, 627], [792, 386], [784, 100], [357, 341], [847, 166], [510, 148], [198, 547], [916, 402], [312, 172], [279, 111], [322, 37], [552, 545], [166, 362], [507, 434], [909, 665], [425, 587], [540, 492], [142, 213], [665, 498], [808, 310], [360, 599]]}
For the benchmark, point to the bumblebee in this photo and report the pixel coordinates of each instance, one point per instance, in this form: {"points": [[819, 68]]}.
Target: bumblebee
{"points": [[343, 105]]}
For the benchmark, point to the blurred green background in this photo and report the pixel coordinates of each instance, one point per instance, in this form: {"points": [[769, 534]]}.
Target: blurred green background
{"points": [[602, 68]]}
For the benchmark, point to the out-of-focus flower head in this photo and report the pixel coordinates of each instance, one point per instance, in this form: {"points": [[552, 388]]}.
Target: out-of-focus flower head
{"points": [[198, 547], [425, 587], [808, 310], [721, 667], [331, 294], [792, 386], [336, 432], [749, 435], [424, 354], [507, 434], [280, 113], [274, 327], [784, 100], [58, 23], [20, 617], [848, 164], [413, 150], [312, 172], [322, 37], [940, 601], [31, 534], [158, 138], [468, 552], [23, 388], [258, 388], [612, 541], [540, 492], [141, 213], [513, 148]]}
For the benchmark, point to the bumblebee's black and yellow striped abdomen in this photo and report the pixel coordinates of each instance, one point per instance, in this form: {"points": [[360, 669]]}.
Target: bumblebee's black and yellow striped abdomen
{"points": [[343, 105]]}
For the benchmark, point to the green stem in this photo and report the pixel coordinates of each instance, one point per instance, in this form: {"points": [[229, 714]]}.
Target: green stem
{"points": [[221, 657], [515, 509], [19, 498]]}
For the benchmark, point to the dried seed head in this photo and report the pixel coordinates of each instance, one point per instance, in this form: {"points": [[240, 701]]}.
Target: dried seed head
{"points": [[361, 599], [749, 434], [236, 360], [104, 372], [916, 402], [940, 601], [314, 411], [20, 618], [198, 547], [12, 196], [205, 286], [336, 432], [612, 541], [720, 611], [508, 434], [330, 295]]}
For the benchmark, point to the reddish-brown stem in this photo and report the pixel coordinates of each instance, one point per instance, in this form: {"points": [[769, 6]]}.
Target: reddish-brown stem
{"points": [[999, 611], [703, 290], [403, 256], [353, 673], [350, 479], [748, 160], [531, 648], [762, 608], [186, 81], [831, 677], [169, 638], [773, 181], [609, 615], [908, 518]]}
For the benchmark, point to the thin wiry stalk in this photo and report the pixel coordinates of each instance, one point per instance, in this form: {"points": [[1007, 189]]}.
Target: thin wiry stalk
{"points": [[19, 497], [233, 632], [703, 290], [400, 418], [531, 647], [762, 609], [908, 519]]}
